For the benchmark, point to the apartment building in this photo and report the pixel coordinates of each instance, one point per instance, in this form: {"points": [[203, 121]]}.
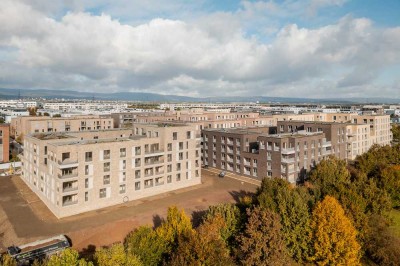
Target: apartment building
{"points": [[260, 152], [4, 143], [24, 125], [75, 172]]}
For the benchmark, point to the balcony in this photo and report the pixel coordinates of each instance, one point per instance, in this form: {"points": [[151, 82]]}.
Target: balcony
{"points": [[229, 142], [68, 175], [154, 152], [287, 160], [69, 202], [69, 189], [276, 148], [67, 163], [288, 151], [262, 146], [326, 144], [229, 150], [246, 162], [152, 162]]}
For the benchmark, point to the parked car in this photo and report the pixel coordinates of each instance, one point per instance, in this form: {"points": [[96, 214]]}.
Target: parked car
{"points": [[222, 174]]}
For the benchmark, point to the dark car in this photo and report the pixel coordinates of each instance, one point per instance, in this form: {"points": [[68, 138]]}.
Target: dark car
{"points": [[222, 174]]}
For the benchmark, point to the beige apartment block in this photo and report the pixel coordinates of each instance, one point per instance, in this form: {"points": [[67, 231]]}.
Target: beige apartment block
{"points": [[359, 140], [24, 125], [76, 172]]}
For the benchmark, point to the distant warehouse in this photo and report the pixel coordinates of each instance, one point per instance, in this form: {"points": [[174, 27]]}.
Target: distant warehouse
{"points": [[75, 172]]}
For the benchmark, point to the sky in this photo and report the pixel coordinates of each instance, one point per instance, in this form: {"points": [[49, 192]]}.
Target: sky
{"points": [[203, 48]]}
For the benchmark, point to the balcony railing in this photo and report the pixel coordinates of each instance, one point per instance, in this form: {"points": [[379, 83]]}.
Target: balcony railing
{"points": [[68, 175], [154, 151], [154, 162], [67, 163], [69, 202], [288, 151], [69, 189], [287, 160]]}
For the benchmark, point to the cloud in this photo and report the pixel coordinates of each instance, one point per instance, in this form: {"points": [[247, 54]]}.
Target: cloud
{"points": [[210, 55]]}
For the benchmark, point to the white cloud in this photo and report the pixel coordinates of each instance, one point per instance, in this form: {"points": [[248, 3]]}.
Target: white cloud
{"points": [[207, 56]]}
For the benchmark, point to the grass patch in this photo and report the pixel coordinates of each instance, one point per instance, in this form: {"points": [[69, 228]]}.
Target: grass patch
{"points": [[395, 216]]}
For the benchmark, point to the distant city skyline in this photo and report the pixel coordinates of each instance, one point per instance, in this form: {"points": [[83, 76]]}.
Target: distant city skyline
{"points": [[310, 48]]}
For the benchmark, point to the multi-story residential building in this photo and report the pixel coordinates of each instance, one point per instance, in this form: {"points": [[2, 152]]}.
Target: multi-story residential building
{"points": [[84, 105], [25, 125], [256, 153], [4, 143], [75, 172]]}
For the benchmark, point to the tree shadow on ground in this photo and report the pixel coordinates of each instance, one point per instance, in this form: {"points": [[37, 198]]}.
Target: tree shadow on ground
{"points": [[88, 252], [239, 195]]}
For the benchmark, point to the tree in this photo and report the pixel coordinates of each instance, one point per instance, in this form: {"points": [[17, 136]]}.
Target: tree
{"points": [[333, 235], [262, 242], [396, 133], [382, 246], [146, 244], [279, 196], [233, 220], [7, 260], [68, 257], [57, 115], [32, 111], [176, 224], [116, 256], [46, 114], [331, 176], [203, 246]]}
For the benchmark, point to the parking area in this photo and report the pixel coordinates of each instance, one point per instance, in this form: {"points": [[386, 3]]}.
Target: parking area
{"points": [[24, 218]]}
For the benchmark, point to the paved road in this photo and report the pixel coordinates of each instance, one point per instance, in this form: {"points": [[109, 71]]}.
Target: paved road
{"points": [[30, 218]]}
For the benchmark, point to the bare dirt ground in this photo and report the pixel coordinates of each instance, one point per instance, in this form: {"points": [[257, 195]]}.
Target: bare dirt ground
{"points": [[24, 218]]}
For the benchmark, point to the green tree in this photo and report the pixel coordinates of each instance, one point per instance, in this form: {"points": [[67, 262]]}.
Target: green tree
{"points": [[333, 235], [233, 220], [396, 133], [176, 224], [279, 196], [382, 245], [68, 257], [204, 246], [147, 245], [262, 242], [116, 256]]}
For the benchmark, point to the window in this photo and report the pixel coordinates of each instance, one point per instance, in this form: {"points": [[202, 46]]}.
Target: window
{"points": [[137, 174], [178, 166], [88, 156], [178, 177], [181, 156], [169, 179], [106, 167], [148, 183], [86, 182], [86, 169], [169, 147], [180, 145], [137, 162], [65, 155], [122, 189], [137, 185], [102, 193], [106, 179], [175, 135], [188, 133], [86, 196], [106, 154], [122, 152], [169, 157], [137, 151], [169, 168], [123, 164]]}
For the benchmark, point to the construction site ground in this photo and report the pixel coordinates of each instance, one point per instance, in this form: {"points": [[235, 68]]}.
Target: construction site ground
{"points": [[24, 217]]}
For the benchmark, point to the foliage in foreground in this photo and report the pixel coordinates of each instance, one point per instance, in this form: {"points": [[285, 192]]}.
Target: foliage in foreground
{"points": [[339, 216]]}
